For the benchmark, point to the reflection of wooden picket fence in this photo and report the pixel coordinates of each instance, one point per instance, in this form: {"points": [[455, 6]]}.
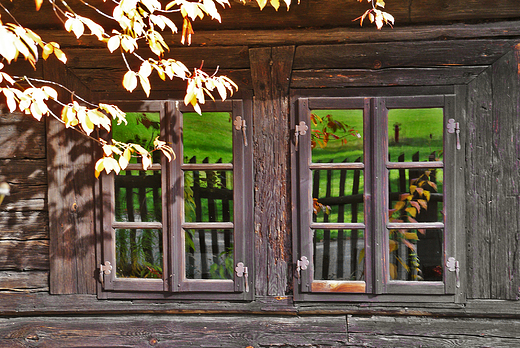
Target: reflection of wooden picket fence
{"points": [[212, 202], [339, 257]]}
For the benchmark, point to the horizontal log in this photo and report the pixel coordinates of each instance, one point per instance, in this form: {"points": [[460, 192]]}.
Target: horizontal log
{"points": [[310, 13], [313, 36], [24, 172], [25, 198], [34, 281], [18, 225], [21, 136], [24, 255], [209, 58], [169, 331], [338, 78], [400, 54], [110, 84]]}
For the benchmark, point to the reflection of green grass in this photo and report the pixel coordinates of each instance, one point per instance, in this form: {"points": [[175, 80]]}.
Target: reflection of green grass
{"points": [[208, 135], [420, 130]]}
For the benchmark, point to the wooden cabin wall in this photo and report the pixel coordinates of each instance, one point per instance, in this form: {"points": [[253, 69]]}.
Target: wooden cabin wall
{"points": [[63, 310]]}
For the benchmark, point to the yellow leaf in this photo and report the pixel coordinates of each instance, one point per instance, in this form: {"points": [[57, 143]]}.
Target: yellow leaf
{"points": [[124, 159], [261, 3], [275, 4], [412, 188], [411, 211], [60, 55], [130, 81], [147, 161], [48, 49], [380, 3], [393, 271], [427, 195], [399, 205], [146, 69], [68, 115], [38, 4], [411, 235], [145, 83], [100, 165], [10, 99], [393, 245], [113, 43]]}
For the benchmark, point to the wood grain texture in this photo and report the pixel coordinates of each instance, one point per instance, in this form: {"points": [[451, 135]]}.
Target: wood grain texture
{"points": [[505, 222], [24, 282], [400, 54], [24, 225], [24, 255], [70, 198], [479, 166], [339, 78], [21, 136], [432, 332], [270, 70], [174, 331]]}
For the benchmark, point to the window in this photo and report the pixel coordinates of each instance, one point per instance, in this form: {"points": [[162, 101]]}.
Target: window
{"points": [[376, 197], [180, 229]]}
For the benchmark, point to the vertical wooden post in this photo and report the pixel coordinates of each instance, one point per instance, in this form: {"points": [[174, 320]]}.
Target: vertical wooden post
{"points": [[271, 72], [70, 197]]}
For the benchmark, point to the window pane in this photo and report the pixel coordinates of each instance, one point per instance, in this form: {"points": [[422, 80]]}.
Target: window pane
{"points": [[416, 254], [138, 196], [142, 128], [337, 195], [139, 253], [415, 135], [337, 136], [208, 196], [209, 254], [208, 137], [339, 254], [416, 195]]}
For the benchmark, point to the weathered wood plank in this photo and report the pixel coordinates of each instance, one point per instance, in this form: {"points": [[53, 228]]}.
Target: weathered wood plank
{"points": [[34, 281], [24, 225], [313, 36], [25, 198], [270, 70], [400, 54], [310, 13], [234, 57], [24, 172], [21, 136], [24, 255], [505, 240], [433, 332], [479, 164], [109, 82], [169, 331], [70, 198], [338, 78]]}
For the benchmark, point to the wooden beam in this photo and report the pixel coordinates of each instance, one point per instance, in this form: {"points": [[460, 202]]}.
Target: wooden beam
{"points": [[401, 54], [339, 78], [314, 36], [70, 198], [21, 136], [271, 71]]}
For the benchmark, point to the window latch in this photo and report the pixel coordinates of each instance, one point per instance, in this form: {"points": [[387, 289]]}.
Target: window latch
{"points": [[242, 272], [240, 124], [301, 265], [300, 129], [453, 266], [104, 269], [454, 127]]}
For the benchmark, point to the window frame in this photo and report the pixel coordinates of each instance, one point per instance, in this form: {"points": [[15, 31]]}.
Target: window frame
{"points": [[173, 285], [378, 287]]}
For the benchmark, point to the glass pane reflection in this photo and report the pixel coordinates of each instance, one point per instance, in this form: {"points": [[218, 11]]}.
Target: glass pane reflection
{"points": [[139, 253], [339, 254], [416, 254], [337, 136], [138, 196], [209, 254], [415, 135]]}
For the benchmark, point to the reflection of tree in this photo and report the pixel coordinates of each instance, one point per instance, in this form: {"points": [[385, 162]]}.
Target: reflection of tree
{"points": [[328, 128]]}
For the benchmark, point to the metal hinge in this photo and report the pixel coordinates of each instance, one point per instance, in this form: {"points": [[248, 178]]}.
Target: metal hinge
{"points": [[240, 124], [301, 265], [241, 271], [299, 129], [104, 269], [453, 266], [454, 127]]}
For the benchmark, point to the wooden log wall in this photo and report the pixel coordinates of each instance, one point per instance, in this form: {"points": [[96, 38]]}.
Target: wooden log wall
{"points": [[24, 232]]}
